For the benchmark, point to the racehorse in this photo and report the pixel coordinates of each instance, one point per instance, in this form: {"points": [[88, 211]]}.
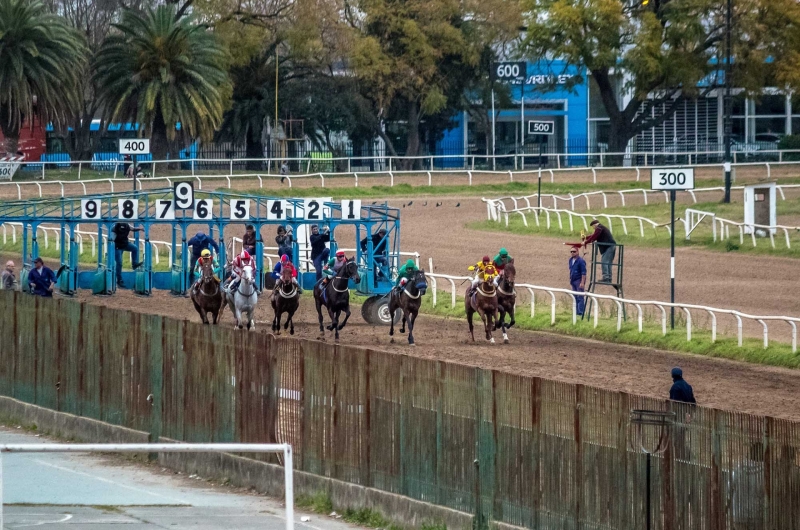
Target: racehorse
{"points": [[335, 296], [285, 300], [207, 296], [483, 302], [244, 299], [409, 300], [506, 299]]}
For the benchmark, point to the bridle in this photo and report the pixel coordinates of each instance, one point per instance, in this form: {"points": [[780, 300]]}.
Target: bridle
{"points": [[208, 278], [344, 275], [284, 282], [419, 279]]}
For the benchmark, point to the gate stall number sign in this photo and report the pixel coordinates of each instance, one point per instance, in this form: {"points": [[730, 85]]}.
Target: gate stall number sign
{"points": [[672, 178], [240, 210], [134, 146], [165, 210], [90, 209], [351, 209], [315, 209], [279, 210], [184, 195], [128, 209], [203, 209]]}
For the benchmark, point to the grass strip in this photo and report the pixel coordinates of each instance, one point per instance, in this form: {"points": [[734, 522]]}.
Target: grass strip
{"points": [[321, 503]]}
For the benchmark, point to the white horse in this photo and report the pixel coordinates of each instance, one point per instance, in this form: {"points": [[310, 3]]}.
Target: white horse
{"points": [[244, 299]]}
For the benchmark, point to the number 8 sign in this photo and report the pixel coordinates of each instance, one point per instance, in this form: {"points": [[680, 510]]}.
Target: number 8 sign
{"points": [[128, 209]]}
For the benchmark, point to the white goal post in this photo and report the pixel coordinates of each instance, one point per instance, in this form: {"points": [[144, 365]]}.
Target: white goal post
{"points": [[286, 449]]}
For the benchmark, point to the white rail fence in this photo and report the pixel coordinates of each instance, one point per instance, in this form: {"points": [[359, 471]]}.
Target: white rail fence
{"points": [[390, 174], [694, 217], [583, 160], [621, 304], [623, 220], [647, 196]]}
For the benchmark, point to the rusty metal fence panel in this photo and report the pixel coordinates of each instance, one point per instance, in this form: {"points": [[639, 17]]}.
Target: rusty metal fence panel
{"points": [[526, 451]]}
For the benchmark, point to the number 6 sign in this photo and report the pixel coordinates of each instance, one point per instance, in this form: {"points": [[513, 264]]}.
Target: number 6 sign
{"points": [[203, 209]]}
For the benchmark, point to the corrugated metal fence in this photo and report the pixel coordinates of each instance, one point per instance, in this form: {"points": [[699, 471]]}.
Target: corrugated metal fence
{"points": [[537, 453]]}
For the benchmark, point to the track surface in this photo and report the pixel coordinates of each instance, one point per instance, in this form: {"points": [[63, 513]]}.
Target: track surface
{"points": [[717, 383]]}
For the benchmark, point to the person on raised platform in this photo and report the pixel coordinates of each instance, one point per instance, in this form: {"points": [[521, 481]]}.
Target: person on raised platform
{"points": [[607, 247]]}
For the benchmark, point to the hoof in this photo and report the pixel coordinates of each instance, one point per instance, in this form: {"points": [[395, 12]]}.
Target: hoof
{"points": [[491, 340], [411, 344], [277, 332], [391, 341], [505, 341], [291, 332], [336, 341]]}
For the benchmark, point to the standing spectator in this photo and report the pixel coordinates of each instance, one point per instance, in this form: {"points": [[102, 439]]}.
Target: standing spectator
{"points": [[681, 390], [249, 240], [41, 279], [9, 280], [199, 243], [284, 171], [577, 278], [285, 241], [318, 248], [607, 248], [121, 232]]}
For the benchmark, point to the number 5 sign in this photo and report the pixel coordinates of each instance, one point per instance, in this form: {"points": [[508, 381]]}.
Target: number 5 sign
{"points": [[672, 178]]}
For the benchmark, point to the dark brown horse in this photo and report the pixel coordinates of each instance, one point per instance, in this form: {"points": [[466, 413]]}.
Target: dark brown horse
{"points": [[409, 300], [286, 299], [335, 296], [483, 302], [207, 296], [506, 298]]}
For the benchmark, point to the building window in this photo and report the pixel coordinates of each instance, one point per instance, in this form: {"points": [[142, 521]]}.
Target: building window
{"points": [[770, 105]]}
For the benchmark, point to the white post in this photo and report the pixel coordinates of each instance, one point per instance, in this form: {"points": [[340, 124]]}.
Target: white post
{"points": [[493, 129], [289, 486]]}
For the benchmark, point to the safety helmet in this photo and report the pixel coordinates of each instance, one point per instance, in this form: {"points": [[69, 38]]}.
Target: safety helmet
{"points": [[281, 228], [244, 254], [486, 259], [340, 253], [206, 253], [503, 251], [411, 263], [284, 259]]}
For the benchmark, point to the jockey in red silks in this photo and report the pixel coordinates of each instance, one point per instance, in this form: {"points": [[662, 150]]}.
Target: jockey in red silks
{"points": [[278, 269], [237, 266]]}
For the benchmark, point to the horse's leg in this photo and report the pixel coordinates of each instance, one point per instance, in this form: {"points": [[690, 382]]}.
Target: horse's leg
{"points": [[276, 323], [251, 321], [392, 308], [291, 321], [319, 314], [405, 318], [346, 317], [335, 324], [410, 317], [499, 322], [470, 313], [487, 325]]}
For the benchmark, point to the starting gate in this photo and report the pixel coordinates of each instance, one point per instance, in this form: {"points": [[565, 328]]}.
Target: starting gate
{"points": [[181, 208]]}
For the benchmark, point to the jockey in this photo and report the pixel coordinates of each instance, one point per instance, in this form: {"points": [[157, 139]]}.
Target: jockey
{"points": [[205, 257], [484, 269], [237, 266], [405, 273], [500, 261], [276, 272], [334, 265]]}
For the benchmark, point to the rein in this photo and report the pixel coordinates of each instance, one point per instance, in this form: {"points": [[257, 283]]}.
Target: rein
{"points": [[216, 288], [291, 294], [485, 294], [408, 294], [512, 293]]}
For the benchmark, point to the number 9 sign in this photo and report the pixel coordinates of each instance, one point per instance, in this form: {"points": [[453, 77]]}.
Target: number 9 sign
{"points": [[184, 195], [90, 209]]}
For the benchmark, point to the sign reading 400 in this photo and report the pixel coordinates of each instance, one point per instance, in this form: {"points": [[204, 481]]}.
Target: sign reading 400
{"points": [[672, 178]]}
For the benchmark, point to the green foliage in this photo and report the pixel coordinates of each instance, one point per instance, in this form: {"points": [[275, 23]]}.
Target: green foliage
{"points": [[318, 503], [665, 48], [41, 59], [159, 71], [790, 141], [730, 246]]}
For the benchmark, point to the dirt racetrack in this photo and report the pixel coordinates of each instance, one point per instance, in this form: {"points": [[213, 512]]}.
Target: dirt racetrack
{"points": [[717, 383]]}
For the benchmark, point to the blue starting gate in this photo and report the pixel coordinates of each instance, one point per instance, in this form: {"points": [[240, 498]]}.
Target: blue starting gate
{"points": [[181, 207]]}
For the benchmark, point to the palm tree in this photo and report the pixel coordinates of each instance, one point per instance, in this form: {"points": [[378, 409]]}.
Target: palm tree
{"points": [[160, 71], [41, 60]]}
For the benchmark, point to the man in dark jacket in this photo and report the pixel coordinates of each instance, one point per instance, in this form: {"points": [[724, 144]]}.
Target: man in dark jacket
{"points": [[379, 246], [249, 240], [607, 248], [681, 390], [41, 279], [122, 232], [318, 248], [199, 243]]}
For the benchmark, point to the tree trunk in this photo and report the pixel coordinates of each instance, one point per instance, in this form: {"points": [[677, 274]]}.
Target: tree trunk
{"points": [[619, 135], [159, 145], [412, 135], [11, 143], [253, 149]]}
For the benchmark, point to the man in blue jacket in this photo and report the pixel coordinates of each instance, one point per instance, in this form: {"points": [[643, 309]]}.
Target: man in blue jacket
{"points": [[577, 278], [41, 279], [681, 390], [199, 243], [318, 248]]}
